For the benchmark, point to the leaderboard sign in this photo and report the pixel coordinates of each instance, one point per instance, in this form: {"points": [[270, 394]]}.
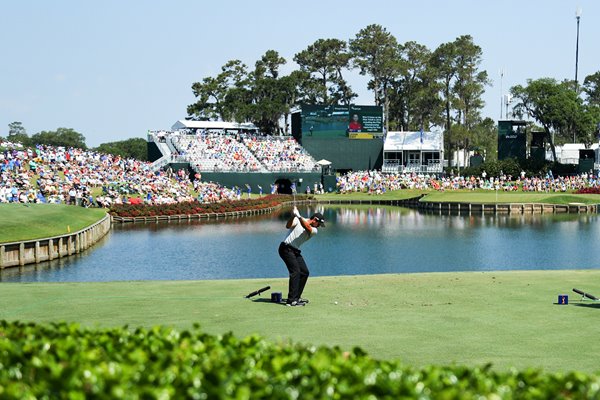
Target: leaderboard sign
{"points": [[511, 139], [354, 122]]}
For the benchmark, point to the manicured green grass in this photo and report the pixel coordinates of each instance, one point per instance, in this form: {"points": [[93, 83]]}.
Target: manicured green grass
{"points": [[510, 197], [34, 221], [468, 196], [391, 195], [504, 318]]}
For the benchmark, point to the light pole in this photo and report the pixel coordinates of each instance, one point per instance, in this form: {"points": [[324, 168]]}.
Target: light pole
{"points": [[578, 17], [501, 92]]}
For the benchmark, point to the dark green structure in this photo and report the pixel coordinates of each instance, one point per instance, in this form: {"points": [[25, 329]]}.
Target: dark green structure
{"points": [[283, 180], [512, 140], [153, 152], [537, 147], [327, 136], [346, 154], [476, 160], [586, 160]]}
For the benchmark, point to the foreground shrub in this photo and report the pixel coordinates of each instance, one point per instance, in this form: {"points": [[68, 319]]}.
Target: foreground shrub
{"points": [[66, 361]]}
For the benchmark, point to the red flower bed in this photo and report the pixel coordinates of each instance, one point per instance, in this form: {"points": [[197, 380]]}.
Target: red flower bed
{"points": [[195, 207], [589, 190]]}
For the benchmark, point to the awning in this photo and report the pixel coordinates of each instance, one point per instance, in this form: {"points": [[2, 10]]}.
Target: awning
{"points": [[324, 162], [414, 140]]}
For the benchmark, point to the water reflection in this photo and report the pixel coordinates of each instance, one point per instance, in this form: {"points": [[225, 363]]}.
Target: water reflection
{"points": [[357, 240]]}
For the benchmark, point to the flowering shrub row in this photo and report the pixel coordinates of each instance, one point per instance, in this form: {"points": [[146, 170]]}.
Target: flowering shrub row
{"points": [[195, 207], [589, 190], [61, 361]]}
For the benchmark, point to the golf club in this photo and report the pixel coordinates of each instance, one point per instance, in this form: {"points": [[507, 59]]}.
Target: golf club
{"points": [[584, 294], [259, 291]]}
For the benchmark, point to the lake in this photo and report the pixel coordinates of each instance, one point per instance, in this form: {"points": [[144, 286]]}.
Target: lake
{"points": [[356, 240]]}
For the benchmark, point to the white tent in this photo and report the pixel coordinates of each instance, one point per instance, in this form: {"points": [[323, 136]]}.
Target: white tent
{"points": [[216, 125], [399, 141], [413, 151]]}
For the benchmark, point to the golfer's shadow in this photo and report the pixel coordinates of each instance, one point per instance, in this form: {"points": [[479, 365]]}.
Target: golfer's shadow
{"points": [[265, 300], [587, 305], [275, 295]]}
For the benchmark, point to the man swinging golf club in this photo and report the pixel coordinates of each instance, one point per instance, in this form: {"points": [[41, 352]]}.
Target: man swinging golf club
{"points": [[300, 230]]}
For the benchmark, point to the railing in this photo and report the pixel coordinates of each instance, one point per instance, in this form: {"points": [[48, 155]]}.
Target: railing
{"points": [[161, 162], [170, 145], [394, 166], [199, 168]]}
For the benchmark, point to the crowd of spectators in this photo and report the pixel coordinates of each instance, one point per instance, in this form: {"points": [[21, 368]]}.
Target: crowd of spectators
{"points": [[376, 182], [48, 174], [241, 152], [210, 192], [215, 152], [280, 154]]}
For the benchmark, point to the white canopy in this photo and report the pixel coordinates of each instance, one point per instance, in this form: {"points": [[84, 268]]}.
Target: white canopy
{"points": [[427, 141], [186, 124], [324, 162]]}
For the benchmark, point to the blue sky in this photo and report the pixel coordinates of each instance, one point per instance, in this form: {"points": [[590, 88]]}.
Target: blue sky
{"points": [[114, 69]]}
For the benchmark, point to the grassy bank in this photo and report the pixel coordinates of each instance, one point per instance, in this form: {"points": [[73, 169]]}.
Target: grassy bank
{"points": [[511, 197], [34, 221], [506, 318], [468, 196], [391, 195]]}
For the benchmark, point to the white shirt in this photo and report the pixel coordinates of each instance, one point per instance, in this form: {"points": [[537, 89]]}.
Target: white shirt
{"points": [[297, 235]]}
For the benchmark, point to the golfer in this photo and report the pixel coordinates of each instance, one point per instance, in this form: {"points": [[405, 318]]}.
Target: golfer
{"points": [[300, 230]]}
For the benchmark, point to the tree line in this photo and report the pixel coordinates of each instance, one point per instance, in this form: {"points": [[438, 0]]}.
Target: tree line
{"points": [[565, 112], [418, 87], [68, 137]]}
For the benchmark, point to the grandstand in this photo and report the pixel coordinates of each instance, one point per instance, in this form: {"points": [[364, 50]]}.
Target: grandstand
{"points": [[221, 152], [344, 138], [215, 152], [233, 154], [281, 154]]}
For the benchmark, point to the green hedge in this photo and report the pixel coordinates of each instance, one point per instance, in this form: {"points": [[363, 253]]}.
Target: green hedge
{"points": [[69, 362]]}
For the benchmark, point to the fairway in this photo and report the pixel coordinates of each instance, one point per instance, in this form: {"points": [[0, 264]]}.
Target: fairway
{"points": [[504, 318], [35, 221]]}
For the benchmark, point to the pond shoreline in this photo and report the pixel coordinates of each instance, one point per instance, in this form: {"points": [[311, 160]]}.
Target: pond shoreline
{"points": [[414, 203], [45, 249], [35, 251]]}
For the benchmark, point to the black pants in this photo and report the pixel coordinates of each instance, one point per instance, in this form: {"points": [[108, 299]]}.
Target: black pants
{"points": [[297, 268]]}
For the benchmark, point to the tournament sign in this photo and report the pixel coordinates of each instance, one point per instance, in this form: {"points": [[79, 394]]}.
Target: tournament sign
{"points": [[341, 121]]}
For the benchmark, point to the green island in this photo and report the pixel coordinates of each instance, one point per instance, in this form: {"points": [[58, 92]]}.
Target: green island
{"points": [[35, 221]]}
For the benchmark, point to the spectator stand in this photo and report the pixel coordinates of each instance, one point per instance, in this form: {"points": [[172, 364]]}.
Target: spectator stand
{"points": [[415, 151]]}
